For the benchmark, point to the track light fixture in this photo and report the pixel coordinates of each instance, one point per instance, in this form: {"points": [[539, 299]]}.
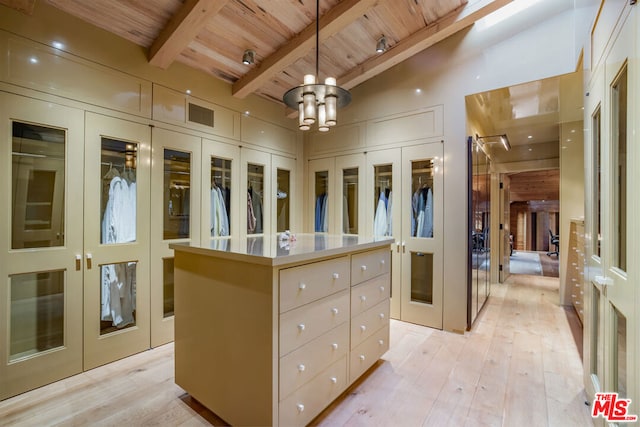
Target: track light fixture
{"points": [[381, 46], [493, 139], [249, 57]]}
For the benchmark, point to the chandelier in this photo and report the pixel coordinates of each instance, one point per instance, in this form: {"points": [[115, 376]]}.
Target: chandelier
{"points": [[314, 101]]}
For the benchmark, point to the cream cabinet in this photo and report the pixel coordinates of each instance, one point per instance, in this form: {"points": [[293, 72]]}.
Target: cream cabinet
{"points": [[295, 324], [575, 266]]}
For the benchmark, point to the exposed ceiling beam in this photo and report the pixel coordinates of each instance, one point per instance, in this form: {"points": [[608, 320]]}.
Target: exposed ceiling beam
{"points": [[181, 29], [330, 23], [421, 40], [24, 6]]}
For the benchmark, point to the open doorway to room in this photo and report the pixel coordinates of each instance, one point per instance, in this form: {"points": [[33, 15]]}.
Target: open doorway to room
{"points": [[534, 222], [532, 135]]}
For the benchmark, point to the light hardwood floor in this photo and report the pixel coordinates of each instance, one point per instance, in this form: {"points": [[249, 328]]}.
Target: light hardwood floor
{"points": [[519, 366]]}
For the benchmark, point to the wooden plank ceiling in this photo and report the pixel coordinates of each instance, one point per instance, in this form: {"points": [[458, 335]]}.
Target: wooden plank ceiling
{"points": [[543, 185], [212, 35]]}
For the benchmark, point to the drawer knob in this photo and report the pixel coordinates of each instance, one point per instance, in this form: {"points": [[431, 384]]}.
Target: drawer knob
{"points": [[363, 328], [301, 367], [382, 261], [381, 342], [362, 357], [334, 380], [363, 298], [300, 407], [301, 327], [381, 315], [302, 286], [334, 346], [363, 268], [334, 310], [336, 276], [381, 288]]}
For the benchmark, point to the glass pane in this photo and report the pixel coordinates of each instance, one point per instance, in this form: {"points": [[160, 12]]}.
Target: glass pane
{"points": [[177, 184], [597, 188], [282, 197], [167, 286], [37, 185], [350, 201], [118, 197], [383, 181], [220, 197], [422, 277], [619, 121], [255, 187], [117, 296], [37, 313], [595, 331], [620, 357], [422, 198], [322, 194]]}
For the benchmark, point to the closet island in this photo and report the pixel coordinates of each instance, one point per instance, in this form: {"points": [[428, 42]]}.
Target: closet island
{"points": [[270, 331]]}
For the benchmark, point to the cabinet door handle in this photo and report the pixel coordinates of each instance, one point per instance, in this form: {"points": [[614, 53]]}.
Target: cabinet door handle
{"points": [[363, 268], [89, 259], [404, 247], [363, 298], [334, 310], [334, 380], [78, 262], [362, 357], [382, 262], [381, 288], [363, 328], [334, 346], [381, 315], [301, 367], [302, 286], [381, 342], [398, 246], [300, 407], [301, 327], [336, 276]]}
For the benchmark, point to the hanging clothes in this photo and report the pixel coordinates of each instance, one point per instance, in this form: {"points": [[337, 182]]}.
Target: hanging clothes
{"points": [[389, 220], [345, 215], [118, 282], [219, 216], [380, 227], [427, 230], [256, 201], [251, 219]]}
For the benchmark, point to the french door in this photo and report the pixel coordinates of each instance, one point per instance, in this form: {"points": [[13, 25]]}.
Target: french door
{"points": [[41, 267], [116, 239], [405, 202]]}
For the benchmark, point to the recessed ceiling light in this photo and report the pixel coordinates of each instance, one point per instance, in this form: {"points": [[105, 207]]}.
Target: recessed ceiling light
{"points": [[188, 91], [530, 137], [530, 149], [57, 45], [33, 60], [418, 90], [573, 131]]}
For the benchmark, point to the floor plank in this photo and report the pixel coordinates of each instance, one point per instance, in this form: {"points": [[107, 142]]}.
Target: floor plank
{"points": [[519, 365]]}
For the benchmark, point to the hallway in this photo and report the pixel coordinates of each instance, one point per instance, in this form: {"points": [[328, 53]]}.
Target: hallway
{"points": [[518, 366]]}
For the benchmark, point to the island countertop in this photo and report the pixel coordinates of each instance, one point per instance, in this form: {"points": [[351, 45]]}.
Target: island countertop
{"points": [[271, 250]]}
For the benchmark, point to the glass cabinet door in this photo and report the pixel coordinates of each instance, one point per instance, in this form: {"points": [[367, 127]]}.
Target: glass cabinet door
{"points": [[42, 151], [117, 177], [284, 189], [422, 239], [175, 200], [321, 196], [220, 176], [256, 194], [350, 193]]}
